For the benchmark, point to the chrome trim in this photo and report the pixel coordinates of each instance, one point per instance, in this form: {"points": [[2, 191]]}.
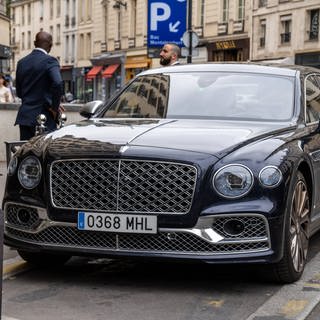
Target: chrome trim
{"points": [[201, 229]]}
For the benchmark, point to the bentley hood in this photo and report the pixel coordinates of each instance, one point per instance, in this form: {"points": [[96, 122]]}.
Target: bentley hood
{"points": [[203, 136]]}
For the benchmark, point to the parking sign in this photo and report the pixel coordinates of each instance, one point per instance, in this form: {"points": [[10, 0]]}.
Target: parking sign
{"points": [[166, 22]]}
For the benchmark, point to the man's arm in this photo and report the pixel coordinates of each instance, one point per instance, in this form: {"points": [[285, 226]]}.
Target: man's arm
{"points": [[56, 83]]}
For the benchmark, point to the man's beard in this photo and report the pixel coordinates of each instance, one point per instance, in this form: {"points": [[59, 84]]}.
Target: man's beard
{"points": [[165, 61]]}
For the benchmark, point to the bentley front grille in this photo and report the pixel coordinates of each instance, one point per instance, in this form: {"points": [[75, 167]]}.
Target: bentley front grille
{"points": [[163, 242], [129, 186]]}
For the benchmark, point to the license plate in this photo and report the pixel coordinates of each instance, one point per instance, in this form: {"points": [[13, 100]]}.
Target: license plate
{"points": [[125, 223]]}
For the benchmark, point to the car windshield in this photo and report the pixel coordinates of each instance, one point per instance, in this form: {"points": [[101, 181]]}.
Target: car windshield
{"points": [[206, 95]]}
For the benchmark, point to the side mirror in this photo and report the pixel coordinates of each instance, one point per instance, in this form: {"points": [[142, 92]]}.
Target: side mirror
{"points": [[90, 108]]}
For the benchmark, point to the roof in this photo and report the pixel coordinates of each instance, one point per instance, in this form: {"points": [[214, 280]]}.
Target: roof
{"points": [[263, 68]]}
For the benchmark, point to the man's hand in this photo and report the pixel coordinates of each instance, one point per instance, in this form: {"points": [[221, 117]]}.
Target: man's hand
{"points": [[55, 114]]}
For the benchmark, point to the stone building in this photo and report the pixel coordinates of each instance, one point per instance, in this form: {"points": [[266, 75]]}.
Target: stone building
{"points": [[101, 44], [5, 51], [286, 29]]}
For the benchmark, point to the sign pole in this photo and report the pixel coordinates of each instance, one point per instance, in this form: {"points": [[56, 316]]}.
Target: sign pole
{"points": [[189, 57]]}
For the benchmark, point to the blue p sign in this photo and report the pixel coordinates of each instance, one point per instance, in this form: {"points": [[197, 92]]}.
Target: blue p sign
{"points": [[166, 21]]}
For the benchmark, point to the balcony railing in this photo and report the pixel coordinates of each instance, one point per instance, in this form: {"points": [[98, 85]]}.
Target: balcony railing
{"points": [[222, 28], [131, 42], [103, 46], [67, 22], [285, 37], [117, 44], [238, 26]]}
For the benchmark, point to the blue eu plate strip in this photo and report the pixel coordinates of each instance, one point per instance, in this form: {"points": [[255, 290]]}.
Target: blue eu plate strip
{"points": [[81, 220]]}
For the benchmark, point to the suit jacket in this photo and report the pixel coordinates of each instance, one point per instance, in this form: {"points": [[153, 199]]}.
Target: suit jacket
{"points": [[39, 85]]}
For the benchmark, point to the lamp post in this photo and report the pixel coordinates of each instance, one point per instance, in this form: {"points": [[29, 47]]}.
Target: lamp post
{"points": [[189, 57]]}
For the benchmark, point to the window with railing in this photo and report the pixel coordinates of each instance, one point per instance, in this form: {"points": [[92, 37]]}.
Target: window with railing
{"points": [[285, 35], [225, 11], [262, 32], [58, 8], [51, 9], [58, 36], [29, 39], [241, 10], [314, 24], [22, 16], [29, 13]]}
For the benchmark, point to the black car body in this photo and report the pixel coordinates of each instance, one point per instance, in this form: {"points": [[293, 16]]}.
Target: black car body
{"points": [[213, 162]]}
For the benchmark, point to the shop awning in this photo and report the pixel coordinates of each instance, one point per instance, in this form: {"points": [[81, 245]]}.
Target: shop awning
{"points": [[135, 65], [109, 71], [93, 72]]}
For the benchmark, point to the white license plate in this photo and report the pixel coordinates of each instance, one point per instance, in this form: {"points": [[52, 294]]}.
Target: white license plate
{"points": [[125, 223]]}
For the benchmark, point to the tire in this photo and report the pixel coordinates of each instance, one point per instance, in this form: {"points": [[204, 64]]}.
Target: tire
{"points": [[43, 259], [296, 238]]}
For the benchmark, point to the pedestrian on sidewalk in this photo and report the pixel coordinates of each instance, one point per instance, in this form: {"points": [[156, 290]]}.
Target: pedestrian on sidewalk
{"points": [[39, 85], [5, 93]]}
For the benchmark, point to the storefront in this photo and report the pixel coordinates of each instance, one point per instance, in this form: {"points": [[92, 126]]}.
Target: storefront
{"points": [[107, 74], [311, 59], [5, 54], [135, 65], [229, 50], [67, 78]]}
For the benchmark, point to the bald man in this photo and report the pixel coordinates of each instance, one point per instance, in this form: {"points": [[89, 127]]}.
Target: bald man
{"points": [[169, 54], [39, 86]]}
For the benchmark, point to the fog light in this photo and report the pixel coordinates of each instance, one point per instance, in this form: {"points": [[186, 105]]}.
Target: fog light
{"points": [[23, 216], [233, 227]]}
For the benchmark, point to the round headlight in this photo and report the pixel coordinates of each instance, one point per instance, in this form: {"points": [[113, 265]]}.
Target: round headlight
{"points": [[233, 181], [270, 176], [29, 172], [12, 167]]}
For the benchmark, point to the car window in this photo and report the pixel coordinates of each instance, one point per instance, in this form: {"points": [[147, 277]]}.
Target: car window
{"points": [[146, 97], [312, 98], [207, 95]]}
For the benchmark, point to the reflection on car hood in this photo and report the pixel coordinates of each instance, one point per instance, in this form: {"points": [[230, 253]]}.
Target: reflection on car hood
{"points": [[205, 136]]}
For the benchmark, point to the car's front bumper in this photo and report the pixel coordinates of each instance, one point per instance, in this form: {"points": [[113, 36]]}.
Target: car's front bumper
{"points": [[209, 240]]}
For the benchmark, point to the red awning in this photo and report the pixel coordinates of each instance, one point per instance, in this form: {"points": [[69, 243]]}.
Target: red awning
{"points": [[108, 72], [93, 72]]}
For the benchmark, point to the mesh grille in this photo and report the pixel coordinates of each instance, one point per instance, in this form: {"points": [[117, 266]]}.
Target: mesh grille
{"points": [[123, 186], [253, 226], [179, 243], [12, 217]]}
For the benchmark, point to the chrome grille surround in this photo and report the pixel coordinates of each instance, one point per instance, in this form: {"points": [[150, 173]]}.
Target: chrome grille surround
{"points": [[167, 241], [123, 186]]}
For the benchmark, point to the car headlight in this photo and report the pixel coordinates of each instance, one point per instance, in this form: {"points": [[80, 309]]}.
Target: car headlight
{"points": [[29, 172], [233, 181], [270, 176], [12, 167]]}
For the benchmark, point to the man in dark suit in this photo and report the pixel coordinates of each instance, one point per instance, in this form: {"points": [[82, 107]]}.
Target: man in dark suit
{"points": [[39, 85]]}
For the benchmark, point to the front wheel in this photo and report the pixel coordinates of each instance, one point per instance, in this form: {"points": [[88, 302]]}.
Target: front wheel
{"points": [[296, 238]]}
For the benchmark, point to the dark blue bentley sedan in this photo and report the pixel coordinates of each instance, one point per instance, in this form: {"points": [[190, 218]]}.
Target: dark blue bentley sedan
{"points": [[215, 162]]}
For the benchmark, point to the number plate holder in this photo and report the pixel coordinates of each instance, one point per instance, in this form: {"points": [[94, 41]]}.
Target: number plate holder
{"points": [[119, 223]]}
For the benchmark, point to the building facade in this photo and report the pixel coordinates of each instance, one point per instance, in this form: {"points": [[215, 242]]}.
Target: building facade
{"points": [[5, 50], [286, 29], [101, 44]]}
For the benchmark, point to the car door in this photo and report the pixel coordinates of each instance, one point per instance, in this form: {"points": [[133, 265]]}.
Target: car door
{"points": [[312, 146]]}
